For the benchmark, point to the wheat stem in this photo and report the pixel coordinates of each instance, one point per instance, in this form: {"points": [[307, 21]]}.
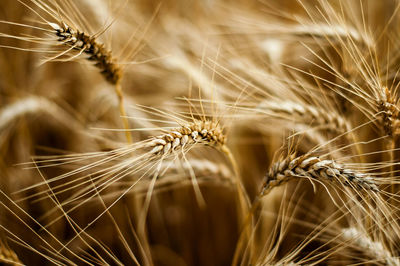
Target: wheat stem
{"points": [[122, 112]]}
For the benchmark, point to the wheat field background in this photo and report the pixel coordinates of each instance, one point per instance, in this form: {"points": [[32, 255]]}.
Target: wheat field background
{"points": [[176, 132]]}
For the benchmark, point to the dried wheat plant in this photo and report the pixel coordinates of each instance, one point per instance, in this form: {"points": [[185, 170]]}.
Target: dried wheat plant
{"points": [[199, 132]]}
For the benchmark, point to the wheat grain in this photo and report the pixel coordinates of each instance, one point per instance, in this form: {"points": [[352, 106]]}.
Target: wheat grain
{"points": [[315, 168]]}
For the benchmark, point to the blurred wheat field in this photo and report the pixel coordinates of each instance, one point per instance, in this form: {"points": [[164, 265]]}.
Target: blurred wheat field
{"points": [[199, 132]]}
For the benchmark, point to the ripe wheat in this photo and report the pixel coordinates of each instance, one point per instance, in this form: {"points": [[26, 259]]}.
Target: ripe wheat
{"points": [[306, 166]]}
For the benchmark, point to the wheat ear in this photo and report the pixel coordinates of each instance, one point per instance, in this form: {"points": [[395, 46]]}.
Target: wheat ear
{"points": [[315, 168], [389, 114], [389, 111], [110, 70], [89, 45], [307, 114], [374, 249], [205, 132], [171, 144]]}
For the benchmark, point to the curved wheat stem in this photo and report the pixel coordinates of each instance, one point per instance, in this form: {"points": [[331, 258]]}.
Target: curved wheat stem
{"points": [[315, 168]]}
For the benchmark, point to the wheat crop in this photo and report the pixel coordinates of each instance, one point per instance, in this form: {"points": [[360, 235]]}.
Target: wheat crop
{"points": [[199, 132]]}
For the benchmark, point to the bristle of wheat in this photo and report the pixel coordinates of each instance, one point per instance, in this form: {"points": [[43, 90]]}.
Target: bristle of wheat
{"points": [[89, 45], [315, 168], [205, 132]]}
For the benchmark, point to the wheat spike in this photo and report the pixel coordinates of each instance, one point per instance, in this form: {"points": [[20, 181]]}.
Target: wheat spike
{"points": [[102, 57], [315, 168], [89, 45], [206, 132], [389, 112], [372, 248], [307, 114]]}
